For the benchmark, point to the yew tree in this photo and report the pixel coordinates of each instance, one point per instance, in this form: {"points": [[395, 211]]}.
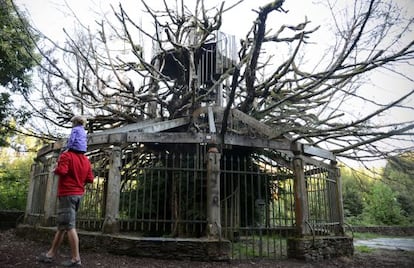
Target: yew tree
{"points": [[122, 71]]}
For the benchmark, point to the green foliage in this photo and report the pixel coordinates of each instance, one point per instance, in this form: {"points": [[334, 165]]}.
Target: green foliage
{"points": [[17, 58], [382, 207], [14, 182], [15, 165], [399, 174], [5, 107], [16, 49], [354, 185], [369, 200]]}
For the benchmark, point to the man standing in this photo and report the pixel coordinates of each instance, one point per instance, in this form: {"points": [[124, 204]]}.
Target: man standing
{"points": [[74, 171]]}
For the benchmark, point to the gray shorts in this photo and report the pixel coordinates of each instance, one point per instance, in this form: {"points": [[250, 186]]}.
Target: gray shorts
{"points": [[68, 206]]}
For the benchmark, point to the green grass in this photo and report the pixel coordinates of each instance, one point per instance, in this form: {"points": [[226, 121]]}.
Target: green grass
{"points": [[364, 249], [253, 247], [366, 235]]}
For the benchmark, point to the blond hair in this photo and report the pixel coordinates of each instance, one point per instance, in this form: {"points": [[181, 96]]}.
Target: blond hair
{"points": [[78, 120]]}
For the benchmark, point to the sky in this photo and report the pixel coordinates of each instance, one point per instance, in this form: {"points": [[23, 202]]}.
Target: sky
{"points": [[51, 16]]}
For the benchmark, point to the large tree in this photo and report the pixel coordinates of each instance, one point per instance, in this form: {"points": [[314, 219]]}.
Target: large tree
{"points": [[269, 74], [17, 58]]}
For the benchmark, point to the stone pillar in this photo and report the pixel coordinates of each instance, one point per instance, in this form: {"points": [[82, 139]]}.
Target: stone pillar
{"points": [[213, 194], [111, 224], [301, 197], [51, 190]]}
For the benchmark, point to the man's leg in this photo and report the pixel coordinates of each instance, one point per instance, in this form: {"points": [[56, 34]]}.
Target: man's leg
{"points": [[74, 244], [59, 235]]}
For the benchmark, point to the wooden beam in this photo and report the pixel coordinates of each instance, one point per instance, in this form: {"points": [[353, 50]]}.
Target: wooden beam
{"points": [[252, 122], [149, 126], [229, 139], [211, 121], [169, 137], [319, 152], [232, 139]]}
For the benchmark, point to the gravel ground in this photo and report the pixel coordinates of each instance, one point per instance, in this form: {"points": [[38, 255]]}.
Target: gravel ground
{"points": [[19, 252]]}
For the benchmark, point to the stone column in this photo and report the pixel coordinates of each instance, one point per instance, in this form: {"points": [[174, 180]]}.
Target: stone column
{"points": [[111, 223], [213, 194], [301, 197], [51, 190]]}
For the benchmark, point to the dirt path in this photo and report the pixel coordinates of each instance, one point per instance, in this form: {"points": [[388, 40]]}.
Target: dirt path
{"points": [[19, 252]]}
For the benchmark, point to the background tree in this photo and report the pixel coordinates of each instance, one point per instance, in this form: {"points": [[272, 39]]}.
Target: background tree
{"points": [[399, 175], [382, 207], [15, 166], [17, 58], [376, 199], [271, 77], [355, 186]]}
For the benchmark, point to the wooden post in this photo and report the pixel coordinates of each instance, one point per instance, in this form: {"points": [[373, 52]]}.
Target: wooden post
{"points": [[29, 202], [49, 207], [213, 194], [340, 204], [300, 194], [111, 224]]}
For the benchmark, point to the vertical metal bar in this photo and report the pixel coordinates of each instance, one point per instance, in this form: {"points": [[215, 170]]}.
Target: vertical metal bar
{"points": [[150, 173], [166, 184], [203, 178], [187, 194], [136, 187], [226, 194], [194, 176], [245, 223], [194, 188], [158, 195], [142, 184]]}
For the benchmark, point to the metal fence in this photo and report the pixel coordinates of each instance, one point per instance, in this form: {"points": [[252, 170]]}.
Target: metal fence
{"points": [[257, 206], [163, 194], [324, 204]]}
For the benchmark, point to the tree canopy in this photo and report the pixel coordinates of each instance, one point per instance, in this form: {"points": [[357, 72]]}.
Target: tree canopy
{"points": [[107, 74], [17, 58]]}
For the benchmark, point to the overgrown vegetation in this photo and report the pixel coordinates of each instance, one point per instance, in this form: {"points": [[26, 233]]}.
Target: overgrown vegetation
{"points": [[15, 165], [14, 182], [382, 198]]}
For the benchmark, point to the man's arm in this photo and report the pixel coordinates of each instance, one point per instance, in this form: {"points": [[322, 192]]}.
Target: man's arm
{"points": [[62, 167], [90, 176]]}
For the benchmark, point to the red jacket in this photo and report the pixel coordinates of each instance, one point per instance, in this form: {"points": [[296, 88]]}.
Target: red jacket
{"points": [[74, 171]]}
